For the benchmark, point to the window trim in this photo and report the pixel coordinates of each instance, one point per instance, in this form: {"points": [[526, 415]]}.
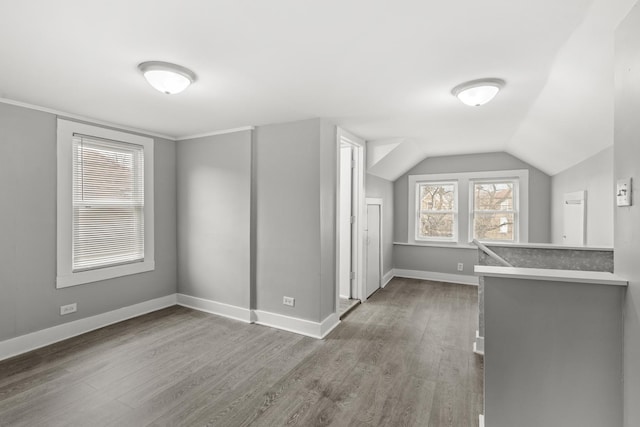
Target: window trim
{"points": [[516, 204], [418, 212], [464, 233], [65, 276]]}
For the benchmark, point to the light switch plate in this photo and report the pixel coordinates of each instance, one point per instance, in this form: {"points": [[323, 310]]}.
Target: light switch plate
{"points": [[623, 192]]}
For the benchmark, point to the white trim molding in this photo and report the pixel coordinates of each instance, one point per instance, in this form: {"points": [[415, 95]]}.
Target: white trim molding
{"points": [[436, 276], [478, 345], [387, 278], [24, 343], [274, 320], [63, 114], [329, 324], [65, 275], [90, 120], [214, 133], [308, 328], [359, 212], [215, 307], [464, 202]]}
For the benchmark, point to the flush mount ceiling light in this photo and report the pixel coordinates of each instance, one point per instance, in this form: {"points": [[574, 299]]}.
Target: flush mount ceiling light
{"points": [[478, 92], [166, 77]]}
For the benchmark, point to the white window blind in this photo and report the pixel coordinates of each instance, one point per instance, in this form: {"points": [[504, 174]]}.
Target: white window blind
{"points": [[108, 203]]}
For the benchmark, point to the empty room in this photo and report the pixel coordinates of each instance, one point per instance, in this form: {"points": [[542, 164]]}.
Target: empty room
{"points": [[314, 213]]}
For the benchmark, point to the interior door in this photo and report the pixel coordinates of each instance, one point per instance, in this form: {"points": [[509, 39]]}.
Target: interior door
{"points": [[573, 228], [372, 283]]}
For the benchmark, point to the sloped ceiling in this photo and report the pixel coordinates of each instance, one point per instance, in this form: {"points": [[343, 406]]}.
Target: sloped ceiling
{"points": [[382, 69]]}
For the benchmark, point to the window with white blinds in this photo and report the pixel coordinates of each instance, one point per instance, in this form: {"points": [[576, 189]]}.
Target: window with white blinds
{"points": [[108, 203], [105, 216]]}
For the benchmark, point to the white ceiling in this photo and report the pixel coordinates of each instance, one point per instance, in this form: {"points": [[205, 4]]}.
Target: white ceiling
{"points": [[383, 69]]}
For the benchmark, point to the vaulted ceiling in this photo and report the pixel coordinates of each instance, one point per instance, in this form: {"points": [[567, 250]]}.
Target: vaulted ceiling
{"points": [[381, 69]]}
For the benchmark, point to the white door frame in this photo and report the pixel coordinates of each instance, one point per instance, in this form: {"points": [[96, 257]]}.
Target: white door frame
{"points": [[358, 197], [378, 201]]}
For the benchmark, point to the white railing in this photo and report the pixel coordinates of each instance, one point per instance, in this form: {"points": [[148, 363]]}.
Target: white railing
{"points": [[492, 254]]}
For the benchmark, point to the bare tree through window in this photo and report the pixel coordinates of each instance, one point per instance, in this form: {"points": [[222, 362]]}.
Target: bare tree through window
{"points": [[494, 213], [437, 210]]}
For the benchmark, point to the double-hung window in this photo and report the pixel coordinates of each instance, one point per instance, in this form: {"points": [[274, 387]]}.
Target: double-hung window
{"points": [[454, 208], [105, 204], [437, 211], [494, 213]]}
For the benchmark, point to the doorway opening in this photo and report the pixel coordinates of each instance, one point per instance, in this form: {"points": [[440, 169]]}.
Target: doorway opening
{"points": [[373, 243], [350, 222]]}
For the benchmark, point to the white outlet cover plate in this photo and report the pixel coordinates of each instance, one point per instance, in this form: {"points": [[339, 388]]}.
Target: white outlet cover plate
{"points": [[288, 301], [68, 309]]}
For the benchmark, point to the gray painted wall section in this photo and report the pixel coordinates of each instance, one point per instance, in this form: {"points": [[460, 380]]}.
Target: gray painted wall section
{"points": [[539, 188], [214, 202], [552, 354], [557, 259], [445, 260], [595, 175], [29, 300], [438, 259], [295, 242], [383, 189], [627, 219]]}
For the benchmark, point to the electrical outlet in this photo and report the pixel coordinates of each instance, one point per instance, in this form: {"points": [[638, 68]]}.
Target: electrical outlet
{"points": [[460, 266], [69, 308], [289, 301]]}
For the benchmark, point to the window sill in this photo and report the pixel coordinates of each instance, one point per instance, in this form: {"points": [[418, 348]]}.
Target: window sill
{"points": [[452, 245], [83, 277]]}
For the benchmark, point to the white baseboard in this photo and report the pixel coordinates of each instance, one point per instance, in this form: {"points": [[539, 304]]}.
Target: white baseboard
{"points": [[279, 321], [387, 277], [481, 420], [215, 307], [24, 343], [478, 345], [329, 324], [436, 276], [298, 326]]}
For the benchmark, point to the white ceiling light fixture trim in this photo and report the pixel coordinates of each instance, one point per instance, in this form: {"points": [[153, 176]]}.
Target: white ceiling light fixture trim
{"points": [[478, 92], [167, 77]]}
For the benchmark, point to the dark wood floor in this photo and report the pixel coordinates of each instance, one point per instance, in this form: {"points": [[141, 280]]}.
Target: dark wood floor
{"points": [[402, 359]]}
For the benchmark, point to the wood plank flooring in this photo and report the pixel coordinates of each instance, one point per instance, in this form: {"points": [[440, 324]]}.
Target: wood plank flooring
{"points": [[402, 359], [346, 305]]}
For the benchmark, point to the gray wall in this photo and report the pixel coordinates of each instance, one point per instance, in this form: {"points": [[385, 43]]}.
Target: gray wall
{"points": [[295, 191], [29, 300], [444, 260], [627, 219], [553, 354], [383, 189], [595, 175], [539, 188], [435, 259], [214, 202]]}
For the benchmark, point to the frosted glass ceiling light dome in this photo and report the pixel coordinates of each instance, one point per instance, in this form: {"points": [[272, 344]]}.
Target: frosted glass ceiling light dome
{"points": [[478, 92], [166, 77]]}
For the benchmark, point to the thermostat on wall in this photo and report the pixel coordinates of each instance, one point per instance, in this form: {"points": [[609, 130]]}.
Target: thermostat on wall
{"points": [[623, 192]]}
